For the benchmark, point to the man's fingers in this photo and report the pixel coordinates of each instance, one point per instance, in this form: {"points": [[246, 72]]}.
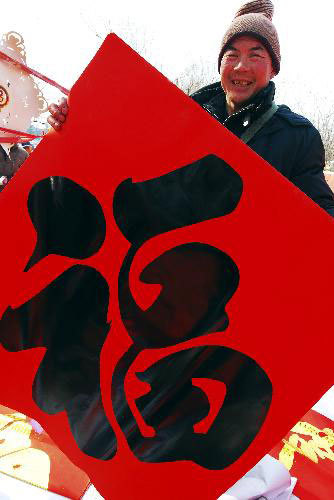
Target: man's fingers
{"points": [[54, 123], [54, 109], [63, 106], [56, 113]]}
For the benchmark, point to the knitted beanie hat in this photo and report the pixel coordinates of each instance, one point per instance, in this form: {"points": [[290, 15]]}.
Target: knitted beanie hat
{"points": [[254, 18]]}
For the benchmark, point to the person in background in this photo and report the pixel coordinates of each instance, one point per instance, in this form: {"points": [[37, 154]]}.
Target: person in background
{"points": [[28, 147], [10, 162]]}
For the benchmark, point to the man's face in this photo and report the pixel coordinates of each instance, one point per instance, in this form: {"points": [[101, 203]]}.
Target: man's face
{"points": [[29, 149], [246, 68]]}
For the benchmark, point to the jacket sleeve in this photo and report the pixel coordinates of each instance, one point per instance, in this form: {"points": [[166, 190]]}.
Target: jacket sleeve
{"points": [[308, 174], [20, 156], [9, 166]]}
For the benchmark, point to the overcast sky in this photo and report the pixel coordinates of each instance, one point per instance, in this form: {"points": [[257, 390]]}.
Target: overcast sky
{"points": [[60, 38]]}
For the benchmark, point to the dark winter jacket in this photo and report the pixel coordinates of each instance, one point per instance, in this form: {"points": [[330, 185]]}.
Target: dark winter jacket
{"points": [[9, 165], [288, 141]]}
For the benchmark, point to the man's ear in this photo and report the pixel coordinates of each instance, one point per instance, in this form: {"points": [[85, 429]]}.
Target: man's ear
{"points": [[273, 73]]}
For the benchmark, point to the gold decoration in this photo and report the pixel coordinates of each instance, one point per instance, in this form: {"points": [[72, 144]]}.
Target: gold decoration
{"points": [[17, 458], [29, 465], [319, 446]]}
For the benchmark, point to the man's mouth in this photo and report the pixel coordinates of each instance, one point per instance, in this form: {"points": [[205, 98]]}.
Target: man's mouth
{"points": [[241, 83]]}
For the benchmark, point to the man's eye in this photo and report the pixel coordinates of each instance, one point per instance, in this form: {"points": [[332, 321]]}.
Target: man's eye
{"points": [[256, 55], [231, 56]]}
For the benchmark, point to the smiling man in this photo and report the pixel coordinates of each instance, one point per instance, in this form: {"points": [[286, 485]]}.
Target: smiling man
{"points": [[243, 101]]}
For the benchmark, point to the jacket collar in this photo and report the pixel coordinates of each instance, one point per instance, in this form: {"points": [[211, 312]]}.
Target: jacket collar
{"points": [[239, 122]]}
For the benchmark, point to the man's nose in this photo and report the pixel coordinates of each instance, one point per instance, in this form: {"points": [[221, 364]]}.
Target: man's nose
{"points": [[242, 64]]}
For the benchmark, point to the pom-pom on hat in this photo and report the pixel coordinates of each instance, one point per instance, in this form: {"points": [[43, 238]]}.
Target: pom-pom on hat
{"points": [[255, 19]]}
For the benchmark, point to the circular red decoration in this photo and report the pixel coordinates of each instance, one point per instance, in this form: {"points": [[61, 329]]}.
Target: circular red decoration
{"points": [[4, 97]]}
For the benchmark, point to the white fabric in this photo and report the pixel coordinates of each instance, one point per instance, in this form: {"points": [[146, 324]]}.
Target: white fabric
{"points": [[92, 494], [14, 489], [269, 478], [326, 404]]}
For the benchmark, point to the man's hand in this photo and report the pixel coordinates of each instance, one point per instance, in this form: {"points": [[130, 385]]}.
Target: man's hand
{"points": [[58, 113]]}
